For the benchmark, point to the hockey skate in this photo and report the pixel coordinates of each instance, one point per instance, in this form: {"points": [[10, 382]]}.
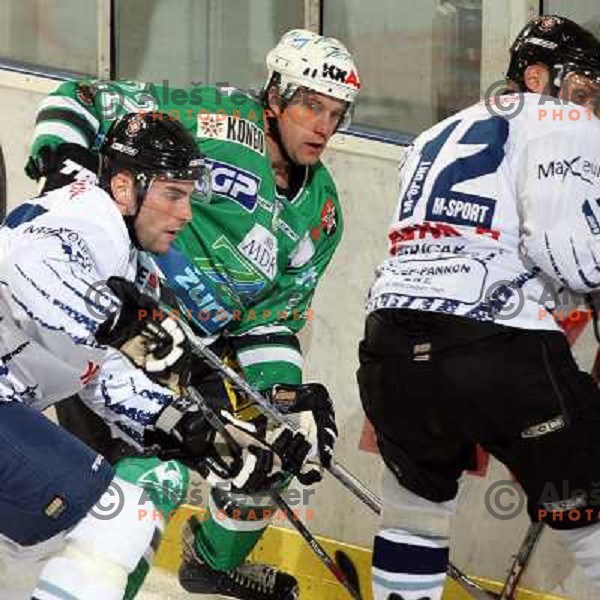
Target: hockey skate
{"points": [[246, 582]]}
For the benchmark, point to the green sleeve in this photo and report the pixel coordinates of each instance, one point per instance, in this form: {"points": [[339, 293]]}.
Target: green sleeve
{"points": [[66, 115], [78, 112]]}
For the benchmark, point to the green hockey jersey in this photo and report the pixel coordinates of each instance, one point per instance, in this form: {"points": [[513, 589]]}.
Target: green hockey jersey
{"points": [[250, 260]]}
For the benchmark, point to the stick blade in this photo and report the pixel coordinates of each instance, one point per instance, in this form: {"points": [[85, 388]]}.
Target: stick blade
{"points": [[346, 565]]}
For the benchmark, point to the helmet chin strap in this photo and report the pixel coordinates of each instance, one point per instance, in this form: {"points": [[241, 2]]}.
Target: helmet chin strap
{"points": [[275, 133], [142, 185], [297, 172], [557, 77], [130, 225]]}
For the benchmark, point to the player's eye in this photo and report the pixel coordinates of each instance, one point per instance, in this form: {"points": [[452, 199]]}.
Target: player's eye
{"points": [[173, 195], [314, 107]]}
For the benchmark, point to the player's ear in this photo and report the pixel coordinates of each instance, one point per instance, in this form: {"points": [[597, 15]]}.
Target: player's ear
{"points": [[123, 192], [537, 78]]}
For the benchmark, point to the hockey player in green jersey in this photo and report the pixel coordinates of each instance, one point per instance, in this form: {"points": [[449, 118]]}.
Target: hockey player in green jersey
{"points": [[250, 260]]}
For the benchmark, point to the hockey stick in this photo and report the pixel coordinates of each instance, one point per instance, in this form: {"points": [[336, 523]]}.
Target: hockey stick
{"points": [[346, 564], [516, 571], [319, 551], [466, 583], [342, 574], [521, 560], [348, 480]]}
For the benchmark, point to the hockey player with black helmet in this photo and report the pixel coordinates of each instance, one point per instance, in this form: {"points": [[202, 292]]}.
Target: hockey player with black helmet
{"points": [[460, 345], [148, 153], [568, 55], [259, 248], [72, 321]]}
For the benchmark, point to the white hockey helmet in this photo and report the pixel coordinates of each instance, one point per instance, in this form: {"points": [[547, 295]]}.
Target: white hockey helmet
{"points": [[321, 64]]}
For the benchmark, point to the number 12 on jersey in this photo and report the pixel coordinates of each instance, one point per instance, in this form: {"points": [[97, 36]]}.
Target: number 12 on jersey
{"points": [[444, 202]]}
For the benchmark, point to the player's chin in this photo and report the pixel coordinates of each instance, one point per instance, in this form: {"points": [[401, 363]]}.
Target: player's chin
{"points": [[307, 159], [160, 246]]}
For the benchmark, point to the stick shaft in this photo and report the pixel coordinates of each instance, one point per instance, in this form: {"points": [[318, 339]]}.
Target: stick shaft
{"points": [[521, 560], [318, 550], [469, 585]]}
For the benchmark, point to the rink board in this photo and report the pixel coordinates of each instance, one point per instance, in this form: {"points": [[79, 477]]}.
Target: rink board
{"points": [[286, 549]]}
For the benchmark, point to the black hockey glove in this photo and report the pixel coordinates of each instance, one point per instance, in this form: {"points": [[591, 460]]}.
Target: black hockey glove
{"points": [[146, 334], [181, 433], [240, 459], [294, 451], [63, 165], [312, 403]]}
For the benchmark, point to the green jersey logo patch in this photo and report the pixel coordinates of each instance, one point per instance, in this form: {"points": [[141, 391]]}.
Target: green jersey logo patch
{"points": [[259, 246], [231, 129]]}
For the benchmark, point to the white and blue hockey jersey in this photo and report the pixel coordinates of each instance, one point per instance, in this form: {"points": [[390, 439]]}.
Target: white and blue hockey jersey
{"points": [[497, 216], [56, 253]]}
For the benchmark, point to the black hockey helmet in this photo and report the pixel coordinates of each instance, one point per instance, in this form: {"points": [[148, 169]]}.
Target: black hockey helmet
{"points": [[560, 44], [148, 147]]}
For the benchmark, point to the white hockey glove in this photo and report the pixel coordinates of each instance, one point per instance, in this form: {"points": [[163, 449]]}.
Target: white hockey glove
{"points": [[311, 402], [147, 336]]}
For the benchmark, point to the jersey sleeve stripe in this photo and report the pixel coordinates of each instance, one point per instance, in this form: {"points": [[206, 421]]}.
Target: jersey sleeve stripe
{"points": [[64, 132], [69, 104], [241, 343], [74, 120], [262, 330], [265, 354]]}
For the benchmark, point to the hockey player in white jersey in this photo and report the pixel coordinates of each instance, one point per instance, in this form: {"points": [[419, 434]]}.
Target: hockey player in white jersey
{"points": [[72, 321], [498, 213]]}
